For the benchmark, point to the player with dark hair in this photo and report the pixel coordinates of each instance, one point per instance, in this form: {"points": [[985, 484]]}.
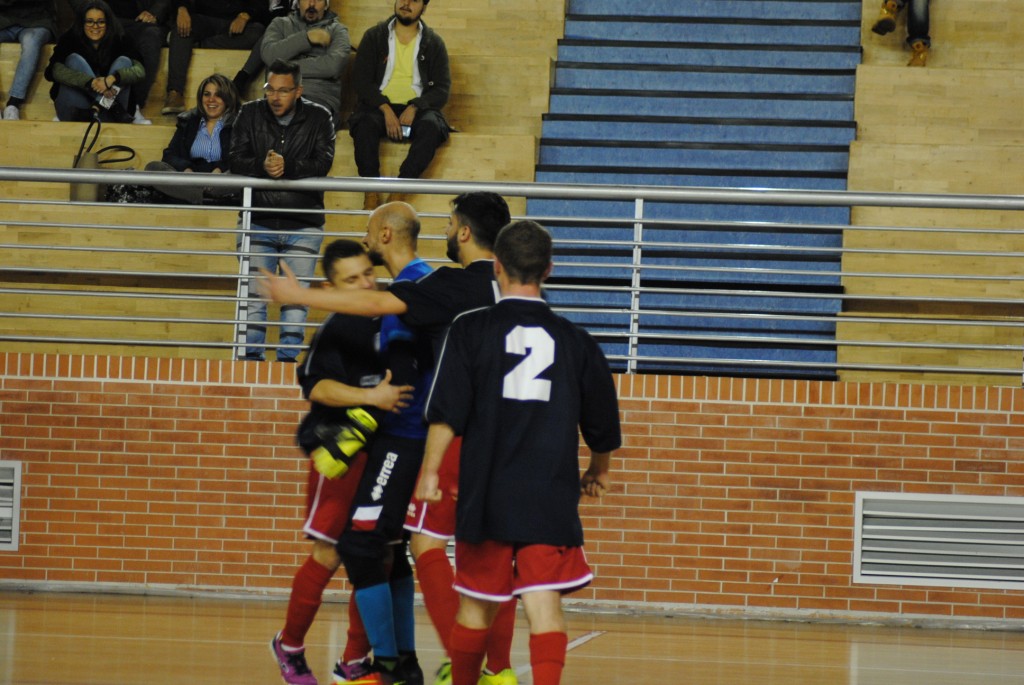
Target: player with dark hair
{"points": [[519, 383], [428, 306], [342, 369]]}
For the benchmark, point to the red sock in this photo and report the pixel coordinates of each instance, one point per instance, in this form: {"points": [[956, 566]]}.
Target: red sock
{"points": [[499, 639], [307, 593], [436, 577], [358, 644], [467, 652], [547, 657]]}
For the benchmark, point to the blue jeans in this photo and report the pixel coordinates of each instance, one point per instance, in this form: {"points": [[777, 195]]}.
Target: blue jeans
{"points": [[32, 41], [71, 100], [299, 250]]}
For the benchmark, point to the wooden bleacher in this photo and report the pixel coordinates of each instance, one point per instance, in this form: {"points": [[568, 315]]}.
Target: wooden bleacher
{"points": [[499, 91], [956, 126]]}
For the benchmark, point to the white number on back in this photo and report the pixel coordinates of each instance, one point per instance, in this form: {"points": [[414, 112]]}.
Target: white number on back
{"points": [[522, 382]]}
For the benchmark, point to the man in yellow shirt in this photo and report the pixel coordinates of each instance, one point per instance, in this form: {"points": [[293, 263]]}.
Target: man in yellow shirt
{"points": [[402, 81]]}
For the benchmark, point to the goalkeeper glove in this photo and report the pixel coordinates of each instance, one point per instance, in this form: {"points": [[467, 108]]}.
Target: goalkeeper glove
{"points": [[340, 442]]}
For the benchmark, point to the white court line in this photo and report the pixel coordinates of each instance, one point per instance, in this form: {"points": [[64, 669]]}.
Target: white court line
{"points": [[581, 640]]}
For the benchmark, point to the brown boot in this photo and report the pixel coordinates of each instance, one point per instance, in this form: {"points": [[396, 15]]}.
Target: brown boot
{"points": [[174, 103], [371, 201], [399, 197], [920, 56], [886, 21]]}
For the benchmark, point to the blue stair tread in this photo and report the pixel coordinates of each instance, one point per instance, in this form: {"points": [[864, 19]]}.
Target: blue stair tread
{"points": [[834, 9], [641, 94], [729, 29], [710, 79], [709, 54], [680, 177], [755, 177], [702, 104], [707, 212], [693, 130], [762, 158]]}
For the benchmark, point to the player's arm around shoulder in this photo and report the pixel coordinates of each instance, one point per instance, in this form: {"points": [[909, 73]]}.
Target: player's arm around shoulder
{"points": [[384, 395]]}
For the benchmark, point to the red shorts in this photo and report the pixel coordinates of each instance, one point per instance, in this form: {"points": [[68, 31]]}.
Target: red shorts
{"points": [[329, 502], [437, 519], [497, 571]]}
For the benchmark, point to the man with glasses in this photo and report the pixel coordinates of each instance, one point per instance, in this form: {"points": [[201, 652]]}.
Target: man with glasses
{"points": [[283, 136]]}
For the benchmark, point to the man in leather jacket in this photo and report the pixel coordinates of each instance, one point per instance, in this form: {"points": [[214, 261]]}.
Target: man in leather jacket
{"points": [[402, 81], [283, 136]]}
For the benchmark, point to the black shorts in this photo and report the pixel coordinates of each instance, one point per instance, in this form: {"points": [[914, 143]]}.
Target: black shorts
{"points": [[387, 486]]}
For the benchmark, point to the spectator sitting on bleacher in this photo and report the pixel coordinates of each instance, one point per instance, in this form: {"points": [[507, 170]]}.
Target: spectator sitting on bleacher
{"points": [[221, 24], [254, 64], [93, 67], [917, 27], [144, 21], [202, 139], [314, 38], [31, 23], [401, 79]]}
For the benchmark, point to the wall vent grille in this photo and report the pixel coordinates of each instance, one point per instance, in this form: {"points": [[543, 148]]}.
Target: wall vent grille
{"points": [[948, 540], [10, 504]]}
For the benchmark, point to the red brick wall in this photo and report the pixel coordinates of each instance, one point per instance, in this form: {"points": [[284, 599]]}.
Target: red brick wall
{"points": [[732, 493]]}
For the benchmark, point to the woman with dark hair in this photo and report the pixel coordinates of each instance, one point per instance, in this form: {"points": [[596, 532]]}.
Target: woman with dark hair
{"points": [[93, 67], [202, 138]]}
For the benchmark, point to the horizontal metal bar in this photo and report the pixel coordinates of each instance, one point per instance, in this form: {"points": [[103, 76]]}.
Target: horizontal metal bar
{"points": [[834, 318], [563, 265], [783, 294], [674, 361], [605, 335], [643, 291], [814, 366], [761, 196], [795, 272]]}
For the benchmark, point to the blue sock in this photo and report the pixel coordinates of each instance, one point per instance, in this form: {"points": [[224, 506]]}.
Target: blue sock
{"points": [[375, 607], [402, 591]]}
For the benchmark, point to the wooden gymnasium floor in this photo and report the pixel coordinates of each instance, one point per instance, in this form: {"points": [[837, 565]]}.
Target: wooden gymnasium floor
{"points": [[72, 639]]}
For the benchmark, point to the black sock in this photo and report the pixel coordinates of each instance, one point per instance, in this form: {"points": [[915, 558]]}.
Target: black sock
{"points": [[15, 102], [388, 663]]}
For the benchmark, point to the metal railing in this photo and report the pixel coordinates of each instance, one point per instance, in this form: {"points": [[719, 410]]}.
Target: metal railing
{"points": [[646, 287]]}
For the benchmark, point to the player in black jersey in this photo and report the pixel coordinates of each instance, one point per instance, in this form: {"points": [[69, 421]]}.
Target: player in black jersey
{"points": [[519, 384], [342, 369], [428, 306]]}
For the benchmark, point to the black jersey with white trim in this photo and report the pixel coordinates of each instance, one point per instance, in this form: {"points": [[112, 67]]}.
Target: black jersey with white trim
{"points": [[437, 298], [520, 384], [345, 349]]}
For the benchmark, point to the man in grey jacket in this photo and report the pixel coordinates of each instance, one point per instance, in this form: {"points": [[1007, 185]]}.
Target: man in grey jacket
{"points": [[314, 38]]}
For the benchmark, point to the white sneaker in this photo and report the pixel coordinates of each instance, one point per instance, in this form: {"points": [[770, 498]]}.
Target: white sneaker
{"points": [[11, 113], [139, 119]]}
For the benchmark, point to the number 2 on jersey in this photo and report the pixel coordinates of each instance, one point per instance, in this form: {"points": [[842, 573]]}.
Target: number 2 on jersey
{"points": [[522, 382]]}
